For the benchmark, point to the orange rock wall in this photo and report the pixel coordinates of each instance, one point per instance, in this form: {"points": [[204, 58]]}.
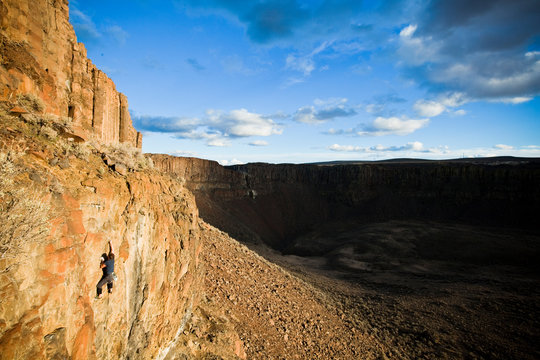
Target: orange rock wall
{"points": [[39, 54], [47, 305]]}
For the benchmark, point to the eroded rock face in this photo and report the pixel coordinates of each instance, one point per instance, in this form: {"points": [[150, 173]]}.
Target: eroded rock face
{"points": [[203, 175], [47, 305], [40, 55], [276, 203]]}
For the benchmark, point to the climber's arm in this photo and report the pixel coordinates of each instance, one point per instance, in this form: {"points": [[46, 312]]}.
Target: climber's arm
{"points": [[110, 248]]}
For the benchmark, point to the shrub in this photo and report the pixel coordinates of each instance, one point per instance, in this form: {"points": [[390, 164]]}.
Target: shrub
{"points": [[31, 102], [24, 216], [128, 155], [48, 132], [62, 121], [80, 150]]}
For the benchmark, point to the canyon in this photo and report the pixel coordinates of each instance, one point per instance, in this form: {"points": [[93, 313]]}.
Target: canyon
{"points": [[400, 259], [273, 204], [433, 259]]}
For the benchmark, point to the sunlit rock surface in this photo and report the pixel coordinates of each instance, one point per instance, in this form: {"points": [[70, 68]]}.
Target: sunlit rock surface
{"points": [[40, 55], [47, 306]]}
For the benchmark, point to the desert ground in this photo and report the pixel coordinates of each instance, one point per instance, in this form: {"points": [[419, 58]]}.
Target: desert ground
{"points": [[427, 290]]}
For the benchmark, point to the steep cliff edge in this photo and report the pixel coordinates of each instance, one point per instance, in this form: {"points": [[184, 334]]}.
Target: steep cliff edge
{"points": [[276, 203], [78, 203], [425, 259], [184, 290], [40, 55]]}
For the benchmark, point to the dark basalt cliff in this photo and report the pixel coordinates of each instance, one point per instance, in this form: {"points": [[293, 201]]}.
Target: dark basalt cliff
{"points": [[275, 203]]}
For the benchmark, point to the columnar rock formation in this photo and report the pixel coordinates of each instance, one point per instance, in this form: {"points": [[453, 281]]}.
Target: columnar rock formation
{"points": [[203, 175], [40, 55], [275, 203]]}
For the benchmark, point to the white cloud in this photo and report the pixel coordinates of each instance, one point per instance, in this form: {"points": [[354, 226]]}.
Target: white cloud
{"points": [[306, 115], [217, 127], [429, 108], [460, 112], [454, 48], [393, 126], [532, 54], [516, 100], [305, 63], [195, 134], [259, 143], [416, 50], [416, 149], [230, 162], [212, 138], [375, 108], [184, 153], [415, 146], [474, 76], [330, 102], [497, 150], [453, 99], [242, 123], [323, 111], [351, 148], [218, 143], [408, 31]]}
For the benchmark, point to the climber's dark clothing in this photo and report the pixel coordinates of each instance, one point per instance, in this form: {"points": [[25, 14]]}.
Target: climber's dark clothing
{"points": [[107, 277], [109, 267]]}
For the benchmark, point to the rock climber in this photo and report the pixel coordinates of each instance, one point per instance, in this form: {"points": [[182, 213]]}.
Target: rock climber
{"points": [[107, 266]]}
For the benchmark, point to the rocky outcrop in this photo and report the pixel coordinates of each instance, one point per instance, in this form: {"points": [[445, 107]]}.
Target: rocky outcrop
{"points": [[203, 175], [275, 203], [40, 56], [47, 305]]}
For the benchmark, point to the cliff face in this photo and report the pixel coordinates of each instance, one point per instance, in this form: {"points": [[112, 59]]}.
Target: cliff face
{"points": [[275, 203], [39, 55], [47, 289]]}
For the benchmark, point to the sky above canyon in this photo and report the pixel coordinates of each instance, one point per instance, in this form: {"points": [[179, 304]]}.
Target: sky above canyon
{"points": [[309, 81]]}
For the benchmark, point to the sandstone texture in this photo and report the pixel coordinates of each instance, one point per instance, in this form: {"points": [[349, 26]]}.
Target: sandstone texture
{"points": [[47, 289], [40, 55]]}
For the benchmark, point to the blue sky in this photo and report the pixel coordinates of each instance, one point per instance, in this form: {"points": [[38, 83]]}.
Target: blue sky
{"points": [[306, 81]]}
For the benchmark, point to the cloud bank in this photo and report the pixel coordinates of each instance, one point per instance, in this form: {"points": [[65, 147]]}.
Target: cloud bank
{"points": [[216, 128], [415, 146], [477, 48], [324, 110]]}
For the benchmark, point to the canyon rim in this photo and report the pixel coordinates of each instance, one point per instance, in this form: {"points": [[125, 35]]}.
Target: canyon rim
{"points": [[362, 260]]}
